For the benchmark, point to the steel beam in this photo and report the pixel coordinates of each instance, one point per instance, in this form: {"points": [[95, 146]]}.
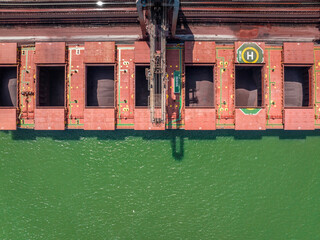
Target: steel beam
{"points": [[141, 19], [175, 17]]}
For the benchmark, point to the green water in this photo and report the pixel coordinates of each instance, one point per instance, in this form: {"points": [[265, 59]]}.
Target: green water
{"points": [[159, 185]]}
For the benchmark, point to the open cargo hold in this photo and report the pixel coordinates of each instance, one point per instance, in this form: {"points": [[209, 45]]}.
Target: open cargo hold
{"points": [[199, 86], [248, 89], [296, 86], [100, 86], [99, 112], [51, 85], [142, 88], [8, 86], [299, 112], [200, 112], [49, 114], [142, 91], [8, 98], [248, 86]]}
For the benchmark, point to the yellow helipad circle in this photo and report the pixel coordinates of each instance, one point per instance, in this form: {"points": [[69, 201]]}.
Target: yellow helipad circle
{"points": [[250, 48]]}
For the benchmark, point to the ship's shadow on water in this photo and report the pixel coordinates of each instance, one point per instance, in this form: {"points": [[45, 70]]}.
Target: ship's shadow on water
{"points": [[176, 137]]}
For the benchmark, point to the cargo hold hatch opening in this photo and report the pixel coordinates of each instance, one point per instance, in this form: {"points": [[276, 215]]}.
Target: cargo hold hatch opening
{"points": [[100, 86], [296, 86], [248, 84], [8, 86], [199, 86], [51, 86], [141, 87]]}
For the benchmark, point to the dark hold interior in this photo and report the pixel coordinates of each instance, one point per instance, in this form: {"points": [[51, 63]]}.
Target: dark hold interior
{"points": [[8, 86], [100, 86], [199, 86], [142, 92], [248, 86], [296, 86], [51, 82]]}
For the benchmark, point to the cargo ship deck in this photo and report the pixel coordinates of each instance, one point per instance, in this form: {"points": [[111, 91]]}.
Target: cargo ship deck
{"points": [[228, 65]]}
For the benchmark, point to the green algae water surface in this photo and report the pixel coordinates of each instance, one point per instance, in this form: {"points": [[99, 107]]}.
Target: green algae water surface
{"points": [[159, 185]]}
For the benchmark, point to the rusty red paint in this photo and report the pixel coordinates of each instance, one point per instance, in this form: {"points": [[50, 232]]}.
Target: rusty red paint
{"points": [[224, 82], [99, 119], [175, 101], [27, 87], [216, 32], [49, 119], [126, 116], [99, 52], [317, 86], [142, 120], [200, 119], [299, 119], [50, 52], [125, 87], [75, 87], [8, 119], [298, 53], [274, 87], [248, 33], [8, 53], [224, 21], [250, 122], [141, 52], [257, 121], [200, 52]]}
